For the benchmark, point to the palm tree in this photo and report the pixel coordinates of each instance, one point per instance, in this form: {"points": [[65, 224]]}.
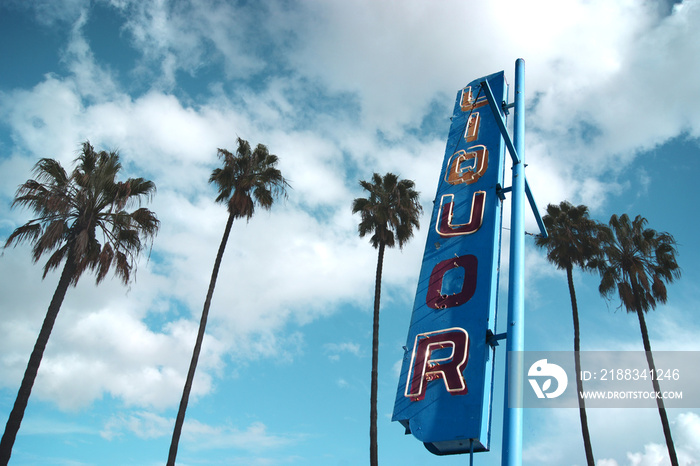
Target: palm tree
{"points": [[572, 241], [80, 218], [389, 215], [638, 260], [246, 179]]}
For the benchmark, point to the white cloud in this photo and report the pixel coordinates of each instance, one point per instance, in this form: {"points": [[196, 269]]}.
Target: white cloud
{"points": [[147, 425], [686, 439], [111, 351], [619, 438], [190, 37], [342, 383], [43, 119], [254, 438], [335, 350], [143, 424], [49, 12]]}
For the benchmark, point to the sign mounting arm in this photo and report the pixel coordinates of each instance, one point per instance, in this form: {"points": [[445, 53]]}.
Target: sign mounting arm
{"points": [[496, 110]]}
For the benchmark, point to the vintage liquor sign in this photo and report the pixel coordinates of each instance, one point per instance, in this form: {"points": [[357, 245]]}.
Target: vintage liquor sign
{"points": [[444, 391]]}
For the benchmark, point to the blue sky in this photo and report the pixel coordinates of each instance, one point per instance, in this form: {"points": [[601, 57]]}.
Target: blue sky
{"points": [[338, 90]]}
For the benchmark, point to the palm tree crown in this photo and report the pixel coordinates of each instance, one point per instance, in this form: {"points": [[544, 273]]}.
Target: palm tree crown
{"points": [[390, 212], [572, 237], [639, 263], [248, 177], [83, 215]]}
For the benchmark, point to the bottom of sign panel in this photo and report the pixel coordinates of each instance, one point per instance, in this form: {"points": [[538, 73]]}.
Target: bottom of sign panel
{"points": [[455, 447]]}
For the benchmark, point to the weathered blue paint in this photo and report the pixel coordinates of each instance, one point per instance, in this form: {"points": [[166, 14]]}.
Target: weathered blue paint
{"points": [[457, 288]]}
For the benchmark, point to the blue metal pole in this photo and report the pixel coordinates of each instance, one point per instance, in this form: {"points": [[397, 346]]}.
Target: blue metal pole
{"points": [[512, 416]]}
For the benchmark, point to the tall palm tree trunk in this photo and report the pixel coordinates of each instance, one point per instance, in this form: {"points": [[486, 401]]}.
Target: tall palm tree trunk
{"points": [[577, 362], [25, 389], [659, 401], [180, 420], [373, 460]]}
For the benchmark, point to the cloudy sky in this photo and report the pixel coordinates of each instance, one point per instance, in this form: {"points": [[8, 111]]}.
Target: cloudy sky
{"points": [[338, 90]]}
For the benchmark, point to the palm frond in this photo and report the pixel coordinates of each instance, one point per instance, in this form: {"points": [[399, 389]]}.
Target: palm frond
{"points": [[627, 296], [30, 231], [49, 171], [55, 260], [146, 221], [104, 262]]}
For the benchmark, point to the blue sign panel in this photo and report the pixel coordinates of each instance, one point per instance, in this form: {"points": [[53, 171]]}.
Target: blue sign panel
{"points": [[444, 390]]}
